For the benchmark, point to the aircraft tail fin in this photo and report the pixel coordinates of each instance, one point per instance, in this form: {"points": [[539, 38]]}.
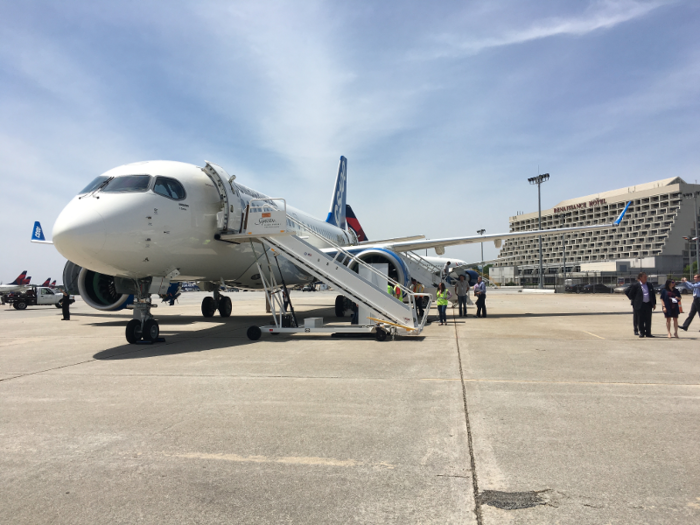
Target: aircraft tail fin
{"points": [[355, 224], [53, 284], [27, 280], [38, 234], [47, 283], [20, 278], [336, 215]]}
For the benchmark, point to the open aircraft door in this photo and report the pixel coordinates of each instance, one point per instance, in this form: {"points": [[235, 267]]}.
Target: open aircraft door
{"points": [[230, 218]]}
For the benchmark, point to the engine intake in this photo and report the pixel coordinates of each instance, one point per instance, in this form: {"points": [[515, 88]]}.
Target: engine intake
{"points": [[97, 290], [398, 271]]}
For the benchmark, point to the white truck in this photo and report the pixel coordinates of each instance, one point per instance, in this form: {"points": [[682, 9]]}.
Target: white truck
{"points": [[33, 297]]}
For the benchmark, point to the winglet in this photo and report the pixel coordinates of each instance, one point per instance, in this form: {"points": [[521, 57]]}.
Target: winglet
{"points": [[38, 234], [336, 215], [619, 219]]}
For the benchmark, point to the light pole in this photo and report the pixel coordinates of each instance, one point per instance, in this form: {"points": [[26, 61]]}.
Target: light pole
{"points": [[694, 195], [481, 232], [539, 180], [563, 247]]}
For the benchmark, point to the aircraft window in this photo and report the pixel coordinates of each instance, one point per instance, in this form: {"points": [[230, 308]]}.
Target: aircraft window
{"points": [[128, 184], [93, 185], [169, 188]]}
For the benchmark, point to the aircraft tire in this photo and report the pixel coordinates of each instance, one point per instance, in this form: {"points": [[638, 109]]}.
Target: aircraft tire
{"points": [[381, 334], [254, 333], [151, 330], [208, 307], [133, 331], [225, 307], [21, 305], [340, 306]]}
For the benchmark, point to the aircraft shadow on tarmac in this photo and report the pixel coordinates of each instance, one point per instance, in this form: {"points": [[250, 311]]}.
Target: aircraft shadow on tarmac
{"points": [[224, 333]]}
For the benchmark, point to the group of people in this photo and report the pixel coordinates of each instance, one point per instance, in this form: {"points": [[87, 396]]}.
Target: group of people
{"points": [[461, 290], [443, 295], [642, 295]]}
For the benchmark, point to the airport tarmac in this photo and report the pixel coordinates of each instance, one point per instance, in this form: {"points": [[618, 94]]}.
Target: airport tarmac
{"points": [[547, 411]]}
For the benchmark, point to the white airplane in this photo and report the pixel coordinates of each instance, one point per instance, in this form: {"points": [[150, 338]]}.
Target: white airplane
{"points": [[143, 228], [21, 283]]}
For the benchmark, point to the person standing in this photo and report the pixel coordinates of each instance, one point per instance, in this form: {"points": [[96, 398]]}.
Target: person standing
{"points": [[635, 316], [671, 298], [695, 287], [65, 306], [417, 287], [480, 293], [643, 299], [445, 271], [461, 289], [442, 300]]}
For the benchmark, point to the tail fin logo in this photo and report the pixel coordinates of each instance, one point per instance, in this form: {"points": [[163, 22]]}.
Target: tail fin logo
{"points": [[339, 194], [336, 214], [38, 232]]}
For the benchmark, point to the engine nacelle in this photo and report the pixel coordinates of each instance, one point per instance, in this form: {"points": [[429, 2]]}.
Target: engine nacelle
{"points": [[398, 271], [97, 290]]}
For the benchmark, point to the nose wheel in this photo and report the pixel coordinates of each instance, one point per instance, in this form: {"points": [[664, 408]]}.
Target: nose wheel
{"points": [[148, 331]]}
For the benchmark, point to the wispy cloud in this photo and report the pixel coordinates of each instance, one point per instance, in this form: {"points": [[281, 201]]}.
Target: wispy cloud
{"points": [[602, 14]]}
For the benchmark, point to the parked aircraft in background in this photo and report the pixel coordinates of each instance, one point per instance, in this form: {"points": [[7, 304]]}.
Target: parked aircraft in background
{"points": [[20, 283], [47, 283], [144, 228]]}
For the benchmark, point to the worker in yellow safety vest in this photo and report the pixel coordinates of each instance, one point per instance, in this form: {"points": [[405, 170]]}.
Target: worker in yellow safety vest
{"points": [[417, 287], [394, 291]]}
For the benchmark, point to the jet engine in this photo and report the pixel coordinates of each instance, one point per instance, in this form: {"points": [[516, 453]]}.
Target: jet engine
{"points": [[97, 290], [398, 271]]}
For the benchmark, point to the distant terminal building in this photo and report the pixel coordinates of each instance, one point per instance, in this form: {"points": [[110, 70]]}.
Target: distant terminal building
{"points": [[650, 236]]}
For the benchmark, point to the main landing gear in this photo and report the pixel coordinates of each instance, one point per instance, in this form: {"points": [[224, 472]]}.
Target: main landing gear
{"points": [[219, 302], [143, 327]]}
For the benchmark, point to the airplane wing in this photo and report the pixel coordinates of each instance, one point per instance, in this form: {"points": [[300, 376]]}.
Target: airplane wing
{"points": [[394, 240], [440, 244], [38, 234]]}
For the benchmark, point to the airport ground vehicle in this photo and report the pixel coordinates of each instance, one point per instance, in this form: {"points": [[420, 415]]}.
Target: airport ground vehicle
{"points": [[33, 297], [596, 288]]}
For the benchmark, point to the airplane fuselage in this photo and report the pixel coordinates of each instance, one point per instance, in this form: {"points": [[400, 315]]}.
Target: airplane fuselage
{"points": [[137, 234]]}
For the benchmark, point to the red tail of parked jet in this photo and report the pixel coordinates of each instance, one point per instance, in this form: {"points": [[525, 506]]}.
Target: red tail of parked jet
{"points": [[20, 278], [53, 284], [47, 283]]}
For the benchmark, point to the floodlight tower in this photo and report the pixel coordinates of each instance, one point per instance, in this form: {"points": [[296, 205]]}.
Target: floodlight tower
{"points": [[481, 232], [539, 180]]}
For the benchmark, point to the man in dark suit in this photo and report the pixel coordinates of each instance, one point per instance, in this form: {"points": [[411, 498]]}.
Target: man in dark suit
{"points": [[643, 297]]}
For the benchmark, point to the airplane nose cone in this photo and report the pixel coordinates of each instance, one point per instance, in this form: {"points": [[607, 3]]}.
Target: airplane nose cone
{"points": [[79, 234]]}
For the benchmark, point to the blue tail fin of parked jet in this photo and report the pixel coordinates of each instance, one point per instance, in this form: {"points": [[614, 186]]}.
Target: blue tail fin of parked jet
{"points": [[38, 232], [336, 215]]}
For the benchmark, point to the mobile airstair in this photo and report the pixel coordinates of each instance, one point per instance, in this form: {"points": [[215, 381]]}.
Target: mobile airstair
{"points": [[266, 221]]}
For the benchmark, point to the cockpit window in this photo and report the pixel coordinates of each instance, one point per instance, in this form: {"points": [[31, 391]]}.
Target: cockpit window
{"points": [[169, 188], [128, 184], [93, 185]]}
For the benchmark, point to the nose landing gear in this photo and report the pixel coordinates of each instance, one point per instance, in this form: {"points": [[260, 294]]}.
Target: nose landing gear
{"points": [[143, 327]]}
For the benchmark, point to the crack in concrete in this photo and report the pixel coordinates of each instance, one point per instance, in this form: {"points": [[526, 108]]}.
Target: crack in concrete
{"points": [[475, 481]]}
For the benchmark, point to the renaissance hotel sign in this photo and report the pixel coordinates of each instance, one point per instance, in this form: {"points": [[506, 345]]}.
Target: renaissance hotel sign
{"points": [[590, 204]]}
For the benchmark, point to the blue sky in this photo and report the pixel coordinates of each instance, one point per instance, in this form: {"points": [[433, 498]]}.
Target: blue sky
{"points": [[442, 109]]}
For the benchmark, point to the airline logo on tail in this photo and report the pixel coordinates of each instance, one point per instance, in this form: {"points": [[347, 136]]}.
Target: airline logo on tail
{"points": [[21, 278], [47, 283], [38, 234], [355, 224], [336, 215]]}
